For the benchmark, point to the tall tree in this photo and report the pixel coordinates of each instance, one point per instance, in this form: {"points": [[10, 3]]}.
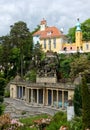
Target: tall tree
{"points": [[78, 100], [85, 104], [22, 39], [5, 53]]}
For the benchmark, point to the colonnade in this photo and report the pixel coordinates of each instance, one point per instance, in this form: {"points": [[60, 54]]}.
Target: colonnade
{"points": [[44, 96]]}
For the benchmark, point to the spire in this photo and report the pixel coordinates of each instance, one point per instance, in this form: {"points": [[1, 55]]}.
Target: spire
{"points": [[78, 25]]}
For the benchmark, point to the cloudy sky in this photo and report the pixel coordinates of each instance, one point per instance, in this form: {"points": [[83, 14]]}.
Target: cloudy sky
{"points": [[59, 13]]}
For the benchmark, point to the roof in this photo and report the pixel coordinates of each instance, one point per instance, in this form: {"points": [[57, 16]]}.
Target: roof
{"points": [[49, 32]]}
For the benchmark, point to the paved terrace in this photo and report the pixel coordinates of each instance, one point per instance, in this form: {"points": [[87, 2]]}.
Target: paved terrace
{"points": [[19, 108]]}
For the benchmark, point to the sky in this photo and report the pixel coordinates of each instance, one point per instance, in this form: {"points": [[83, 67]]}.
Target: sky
{"points": [[59, 13]]}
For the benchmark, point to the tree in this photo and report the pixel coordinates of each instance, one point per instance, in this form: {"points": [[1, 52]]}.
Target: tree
{"points": [[78, 100], [71, 35], [86, 30], [5, 53], [2, 86], [80, 64], [85, 104], [22, 39], [38, 54]]}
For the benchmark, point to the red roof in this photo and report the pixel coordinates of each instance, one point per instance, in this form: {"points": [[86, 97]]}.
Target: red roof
{"points": [[48, 33]]}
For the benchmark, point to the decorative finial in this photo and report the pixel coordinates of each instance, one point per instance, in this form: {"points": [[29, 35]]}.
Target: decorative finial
{"points": [[78, 19], [78, 25]]}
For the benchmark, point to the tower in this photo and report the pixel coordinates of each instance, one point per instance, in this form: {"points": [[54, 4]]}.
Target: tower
{"points": [[43, 25], [78, 36]]}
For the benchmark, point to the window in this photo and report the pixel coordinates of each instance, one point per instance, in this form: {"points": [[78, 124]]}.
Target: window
{"points": [[70, 48], [48, 33], [54, 42], [44, 43], [65, 48], [49, 44]]}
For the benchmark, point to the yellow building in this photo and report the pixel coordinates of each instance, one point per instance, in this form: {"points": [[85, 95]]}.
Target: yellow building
{"points": [[52, 39]]}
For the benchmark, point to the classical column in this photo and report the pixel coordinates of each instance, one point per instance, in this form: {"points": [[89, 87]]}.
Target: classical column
{"points": [[43, 97], [22, 92], [62, 99], [26, 94], [52, 97], [46, 96], [19, 91], [31, 95], [57, 98], [37, 96]]}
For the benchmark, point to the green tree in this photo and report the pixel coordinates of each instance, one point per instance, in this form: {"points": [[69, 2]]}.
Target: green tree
{"points": [[85, 104], [5, 53], [80, 64], [86, 30], [2, 86], [71, 35], [22, 39], [78, 100], [38, 54]]}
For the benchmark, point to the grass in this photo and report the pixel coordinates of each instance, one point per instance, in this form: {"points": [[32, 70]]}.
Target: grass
{"points": [[30, 121]]}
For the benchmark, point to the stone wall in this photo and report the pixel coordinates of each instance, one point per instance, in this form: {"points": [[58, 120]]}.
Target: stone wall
{"points": [[46, 80]]}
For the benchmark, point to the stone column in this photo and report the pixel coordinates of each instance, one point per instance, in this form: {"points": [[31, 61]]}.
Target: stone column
{"points": [[43, 96], [19, 91], [31, 95], [57, 98], [26, 94], [22, 92], [46, 96], [52, 97], [37, 96], [62, 99]]}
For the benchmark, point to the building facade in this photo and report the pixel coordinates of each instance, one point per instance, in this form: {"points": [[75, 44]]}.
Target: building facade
{"points": [[51, 38], [55, 95]]}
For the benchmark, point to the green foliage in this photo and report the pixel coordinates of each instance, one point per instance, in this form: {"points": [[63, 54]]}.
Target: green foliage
{"points": [[78, 100], [31, 75], [38, 53], [58, 120], [80, 64], [30, 121], [85, 104], [2, 86], [86, 30], [76, 124], [7, 93], [71, 35], [65, 67]]}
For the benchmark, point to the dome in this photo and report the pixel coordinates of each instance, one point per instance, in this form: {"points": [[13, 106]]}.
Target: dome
{"points": [[78, 26]]}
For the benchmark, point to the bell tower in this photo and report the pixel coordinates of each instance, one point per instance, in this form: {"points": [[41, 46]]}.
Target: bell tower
{"points": [[78, 36], [43, 25]]}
